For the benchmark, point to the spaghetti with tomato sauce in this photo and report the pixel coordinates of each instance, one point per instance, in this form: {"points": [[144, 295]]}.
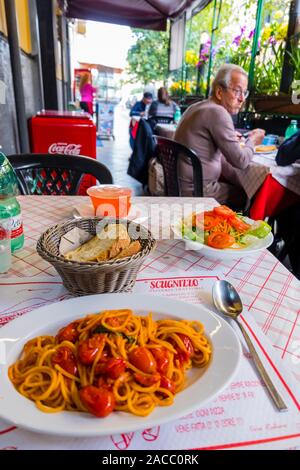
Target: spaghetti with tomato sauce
{"points": [[112, 360]]}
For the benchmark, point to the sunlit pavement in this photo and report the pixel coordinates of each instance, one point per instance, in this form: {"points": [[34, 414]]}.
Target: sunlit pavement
{"points": [[115, 153]]}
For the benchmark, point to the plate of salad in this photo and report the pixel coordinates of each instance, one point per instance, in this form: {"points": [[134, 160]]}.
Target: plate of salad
{"points": [[224, 234]]}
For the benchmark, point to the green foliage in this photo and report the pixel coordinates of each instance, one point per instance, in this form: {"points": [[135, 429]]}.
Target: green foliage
{"points": [[268, 71], [295, 57], [148, 57], [233, 41]]}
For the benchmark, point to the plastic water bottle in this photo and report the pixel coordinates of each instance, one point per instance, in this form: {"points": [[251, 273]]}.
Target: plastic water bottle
{"points": [[9, 205], [292, 129], [5, 241], [177, 116]]}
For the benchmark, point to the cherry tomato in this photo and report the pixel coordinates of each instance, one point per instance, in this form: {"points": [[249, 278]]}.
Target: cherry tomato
{"points": [[168, 384], [114, 321], [238, 224], [162, 358], [224, 212], [220, 240], [184, 355], [65, 358], [101, 364], [102, 382], [99, 401], [115, 367], [143, 360], [88, 348], [68, 333], [147, 380]]}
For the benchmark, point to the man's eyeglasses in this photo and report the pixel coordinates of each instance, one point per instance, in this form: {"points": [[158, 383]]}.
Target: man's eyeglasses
{"points": [[238, 93]]}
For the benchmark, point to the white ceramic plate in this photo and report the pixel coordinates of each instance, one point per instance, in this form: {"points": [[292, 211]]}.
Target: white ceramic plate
{"points": [[226, 253], [202, 384]]}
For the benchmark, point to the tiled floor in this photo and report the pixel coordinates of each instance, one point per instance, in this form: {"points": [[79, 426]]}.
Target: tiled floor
{"points": [[115, 153]]}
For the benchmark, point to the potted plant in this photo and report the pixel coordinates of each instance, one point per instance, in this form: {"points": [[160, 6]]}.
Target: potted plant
{"points": [[268, 70]]}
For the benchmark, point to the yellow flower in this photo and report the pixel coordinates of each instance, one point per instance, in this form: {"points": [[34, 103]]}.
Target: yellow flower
{"points": [[180, 87], [278, 14], [188, 87], [191, 57], [281, 32], [266, 33]]}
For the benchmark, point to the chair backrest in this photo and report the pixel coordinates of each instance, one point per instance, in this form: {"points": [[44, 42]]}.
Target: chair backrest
{"points": [[154, 120], [162, 119], [168, 152], [55, 174]]}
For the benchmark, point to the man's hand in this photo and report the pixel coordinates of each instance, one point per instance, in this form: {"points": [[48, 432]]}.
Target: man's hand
{"points": [[257, 136], [142, 113]]}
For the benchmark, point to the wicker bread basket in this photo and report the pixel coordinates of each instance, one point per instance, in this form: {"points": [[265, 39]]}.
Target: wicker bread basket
{"points": [[81, 278]]}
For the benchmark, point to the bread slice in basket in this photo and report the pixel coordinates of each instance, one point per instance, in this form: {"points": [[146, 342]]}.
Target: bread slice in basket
{"points": [[107, 245], [130, 250]]}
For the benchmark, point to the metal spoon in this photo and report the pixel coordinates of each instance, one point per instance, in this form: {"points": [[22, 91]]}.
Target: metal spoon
{"points": [[228, 302]]}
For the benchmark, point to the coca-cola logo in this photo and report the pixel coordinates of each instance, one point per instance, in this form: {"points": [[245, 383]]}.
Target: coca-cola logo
{"points": [[65, 148]]}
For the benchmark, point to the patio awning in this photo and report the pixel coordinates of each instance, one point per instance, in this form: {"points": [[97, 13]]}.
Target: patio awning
{"points": [[148, 14]]}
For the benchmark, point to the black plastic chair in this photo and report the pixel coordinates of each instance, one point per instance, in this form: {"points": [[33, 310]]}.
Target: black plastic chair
{"points": [[168, 152], [45, 174]]}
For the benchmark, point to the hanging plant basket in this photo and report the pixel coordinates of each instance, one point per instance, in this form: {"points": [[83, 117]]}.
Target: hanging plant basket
{"points": [[275, 104]]}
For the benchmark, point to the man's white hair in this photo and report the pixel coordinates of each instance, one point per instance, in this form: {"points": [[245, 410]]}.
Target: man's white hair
{"points": [[224, 75]]}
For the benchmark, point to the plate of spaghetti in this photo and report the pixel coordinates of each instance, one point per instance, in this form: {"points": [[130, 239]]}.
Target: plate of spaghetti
{"points": [[105, 364], [222, 233]]}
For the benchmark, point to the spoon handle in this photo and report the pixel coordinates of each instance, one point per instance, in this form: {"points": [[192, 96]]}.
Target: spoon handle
{"points": [[281, 406]]}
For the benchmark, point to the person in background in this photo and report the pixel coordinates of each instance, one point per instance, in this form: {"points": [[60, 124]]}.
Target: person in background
{"points": [[163, 106], [139, 109], [207, 128], [87, 93]]}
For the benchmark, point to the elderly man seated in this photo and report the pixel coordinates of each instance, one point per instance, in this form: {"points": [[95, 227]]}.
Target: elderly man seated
{"points": [[207, 128]]}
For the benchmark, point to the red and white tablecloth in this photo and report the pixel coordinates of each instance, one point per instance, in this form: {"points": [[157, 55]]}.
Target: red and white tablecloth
{"points": [[271, 296], [252, 178], [269, 282]]}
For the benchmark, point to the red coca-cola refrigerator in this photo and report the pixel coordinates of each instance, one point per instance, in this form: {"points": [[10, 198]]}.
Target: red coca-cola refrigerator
{"points": [[65, 132]]}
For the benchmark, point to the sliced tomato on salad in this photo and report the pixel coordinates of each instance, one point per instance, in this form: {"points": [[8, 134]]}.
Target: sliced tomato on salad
{"points": [[220, 240], [206, 220], [224, 212]]}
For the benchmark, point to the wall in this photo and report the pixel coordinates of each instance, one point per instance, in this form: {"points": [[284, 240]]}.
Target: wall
{"points": [[8, 123], [30, 74], [31, 82], [3, 28]]}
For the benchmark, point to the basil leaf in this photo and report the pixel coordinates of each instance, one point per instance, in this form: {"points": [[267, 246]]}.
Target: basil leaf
{"points": [[103, 329]]}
